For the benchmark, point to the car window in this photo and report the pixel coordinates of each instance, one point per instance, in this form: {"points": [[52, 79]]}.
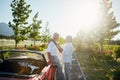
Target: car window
{"points": [[10, 55]]}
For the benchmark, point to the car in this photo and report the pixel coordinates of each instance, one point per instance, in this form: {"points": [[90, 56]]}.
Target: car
{"points": [[25, 65]]}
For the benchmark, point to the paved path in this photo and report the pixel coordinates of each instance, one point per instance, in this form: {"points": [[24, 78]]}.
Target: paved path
{"points": [[76, 70]]}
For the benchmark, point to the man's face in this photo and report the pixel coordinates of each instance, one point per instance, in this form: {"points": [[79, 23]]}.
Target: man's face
{"points": [[56, 38]]}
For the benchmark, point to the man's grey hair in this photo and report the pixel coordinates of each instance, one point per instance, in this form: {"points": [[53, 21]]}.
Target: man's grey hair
{"points": [[55, 34]]}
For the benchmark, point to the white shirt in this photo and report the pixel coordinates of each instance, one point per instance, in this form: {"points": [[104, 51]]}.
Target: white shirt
{"points": [[67, 53], [52, 49]]}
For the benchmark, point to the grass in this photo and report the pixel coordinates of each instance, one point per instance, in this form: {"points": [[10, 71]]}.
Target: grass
{"points": [[21, 43], [10, 44], [97, 66]]}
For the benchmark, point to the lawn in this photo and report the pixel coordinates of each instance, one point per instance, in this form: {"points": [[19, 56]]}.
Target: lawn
{"points": [[97, 66]]}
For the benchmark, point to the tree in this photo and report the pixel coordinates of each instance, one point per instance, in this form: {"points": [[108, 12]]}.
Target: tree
{"points": [[61, 40], [45, 34], [107, 24], [79, 40], [20, 13], [36, 25]]}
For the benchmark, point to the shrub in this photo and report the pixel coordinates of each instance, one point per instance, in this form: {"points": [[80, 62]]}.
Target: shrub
{"points": [[116, 74], [38, 48], [117, 52]]}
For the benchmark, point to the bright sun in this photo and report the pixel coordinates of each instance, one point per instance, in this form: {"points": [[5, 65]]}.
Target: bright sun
{"points": [[82, 15]]}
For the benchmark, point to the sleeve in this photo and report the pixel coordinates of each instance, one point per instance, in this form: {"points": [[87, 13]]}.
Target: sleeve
{"points": [[68, 50], [49, 48]]}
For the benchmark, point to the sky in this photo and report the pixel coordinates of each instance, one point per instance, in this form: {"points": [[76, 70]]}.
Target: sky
{"points": [[67, 17]]}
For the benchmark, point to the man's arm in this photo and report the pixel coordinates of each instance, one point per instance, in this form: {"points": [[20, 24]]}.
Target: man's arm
{"points": [[50, 58], [60, 49]]}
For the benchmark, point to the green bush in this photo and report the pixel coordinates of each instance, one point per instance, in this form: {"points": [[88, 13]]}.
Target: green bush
{"points": [[116, 74], [117, 52], [38, 48], [43, 46]]}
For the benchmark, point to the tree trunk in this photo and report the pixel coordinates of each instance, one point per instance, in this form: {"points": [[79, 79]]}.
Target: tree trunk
{"points": [[16, 44], [34, 43]]}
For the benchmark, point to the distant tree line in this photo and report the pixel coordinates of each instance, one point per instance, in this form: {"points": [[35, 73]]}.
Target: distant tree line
{"points": [[114, 42], [6, 37]]}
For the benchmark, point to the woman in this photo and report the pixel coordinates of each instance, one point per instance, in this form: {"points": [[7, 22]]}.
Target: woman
{"points": [[67, 56]]}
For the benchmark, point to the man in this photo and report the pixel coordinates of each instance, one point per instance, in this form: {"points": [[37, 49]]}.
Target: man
{"points": [[52, 51]]}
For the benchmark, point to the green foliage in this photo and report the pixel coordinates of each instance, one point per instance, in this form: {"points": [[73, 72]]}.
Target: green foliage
{"points": [[35, 26], [61, 40], [117, 52], [107, 23], [97, 66], [78, 42], [38, 48], [116, 74], [43, 46], [45, 34], [20, 13], [6, 37], [94, 60], [102, 32]]}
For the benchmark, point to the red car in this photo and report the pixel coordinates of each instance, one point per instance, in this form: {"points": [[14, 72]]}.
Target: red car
{"points": [[25, 65]]}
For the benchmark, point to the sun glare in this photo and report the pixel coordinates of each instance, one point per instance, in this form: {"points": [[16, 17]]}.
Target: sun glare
{"points": [[81, 16]]}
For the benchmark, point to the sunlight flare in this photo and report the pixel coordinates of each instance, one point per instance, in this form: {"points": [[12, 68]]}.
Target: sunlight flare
{"points": [[81, 16]]}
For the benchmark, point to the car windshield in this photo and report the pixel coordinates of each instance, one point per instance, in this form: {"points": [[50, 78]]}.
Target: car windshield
{"points": [[22, 62], [20, 54]]}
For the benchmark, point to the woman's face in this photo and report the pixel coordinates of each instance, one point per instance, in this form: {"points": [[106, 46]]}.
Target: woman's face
{"points": [[68, 39]]}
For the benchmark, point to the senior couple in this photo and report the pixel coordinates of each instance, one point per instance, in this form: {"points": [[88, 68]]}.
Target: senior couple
{"points": [[52, 51]]}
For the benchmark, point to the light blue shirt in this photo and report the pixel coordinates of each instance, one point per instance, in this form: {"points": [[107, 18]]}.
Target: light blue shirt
{"points": [[67, 53]]}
